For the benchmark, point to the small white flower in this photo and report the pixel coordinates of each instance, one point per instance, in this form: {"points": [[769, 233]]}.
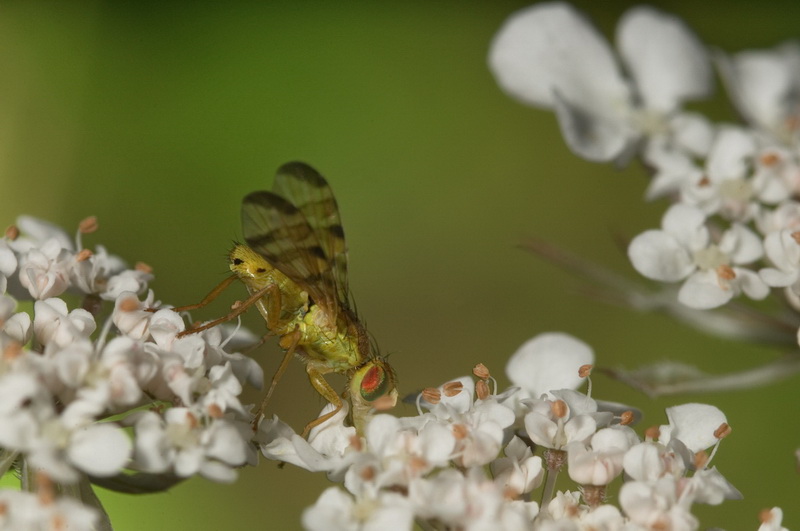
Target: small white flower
{"points": [[130, 314], [693, 424], [53, 322], [61, 450], [764, 86], [548, 361], [657, 505], [189, 444], [783, 250], [44, 271], [552, 424], [772, 520], [549, 55], [30, 510], [600, 462], [335, 510], [648, 461], [682, 250], [520, 471]]}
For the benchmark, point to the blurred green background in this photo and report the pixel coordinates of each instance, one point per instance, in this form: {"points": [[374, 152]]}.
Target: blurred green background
{"points": [[159, 116]]}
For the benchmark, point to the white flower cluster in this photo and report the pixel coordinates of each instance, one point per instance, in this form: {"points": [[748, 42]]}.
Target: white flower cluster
{"points": [[734, 185], [470, 463], [72, 364], [81, 403]]}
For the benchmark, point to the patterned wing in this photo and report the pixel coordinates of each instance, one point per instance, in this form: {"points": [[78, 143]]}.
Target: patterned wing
{"points": [[276, 228], [306, 189]]}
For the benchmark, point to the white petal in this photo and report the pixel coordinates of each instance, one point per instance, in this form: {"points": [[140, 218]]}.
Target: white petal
{"points": [[580, 428], [8, 261], [730, 154], [226, 443], [702, 291], [540, 429], [761, 84], [751, 283], [693, 132], [777, 278], [695, 424], [687, 224], [741, 244], [100, 449], [659, 256], [668, 62], [552, 45], [549, 361], [595, 136]]}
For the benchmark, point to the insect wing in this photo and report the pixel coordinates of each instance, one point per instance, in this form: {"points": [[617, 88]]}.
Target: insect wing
{"points": [[279, 231], [306, 189]]}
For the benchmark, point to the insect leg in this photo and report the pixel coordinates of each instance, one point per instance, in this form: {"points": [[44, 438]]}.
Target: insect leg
{"points": [[290, 350], [323, 387], [240, 309], [219, 288]]}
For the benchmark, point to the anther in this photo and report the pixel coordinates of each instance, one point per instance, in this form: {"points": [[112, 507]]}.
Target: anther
{"points": [[726, 272], [769, 159], [700, 460], [723, 431], [129, 304], [83, 255], [12, 232], [143, 267], [481, 371], [451, 389], [460, 431], [626, 418], [482, 389], [431, 395], [559, 409], [88, 225]]}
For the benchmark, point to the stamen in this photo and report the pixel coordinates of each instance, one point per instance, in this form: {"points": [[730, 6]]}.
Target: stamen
{"points": [[460, 431], [723, 431], [12, 351], [83, 255], [725, 272], [12, 232], [652, 433], [559, 409], [431, 395], [769, 159], [451, 389], [700, 460], [45, 489], [481, 371], [129, 304], [482, 389], [88, 225], [626, 418], [143, 267]]}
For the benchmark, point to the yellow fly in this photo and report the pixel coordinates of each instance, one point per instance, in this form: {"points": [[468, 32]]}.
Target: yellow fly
{"points": [[295, 268]]}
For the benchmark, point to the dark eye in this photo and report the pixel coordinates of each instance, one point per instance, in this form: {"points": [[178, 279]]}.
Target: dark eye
{"points": [[261, 270], [238, 261]]}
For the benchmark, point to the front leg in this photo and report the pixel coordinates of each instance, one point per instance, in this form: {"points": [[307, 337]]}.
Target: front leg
{"points": [[323, 387]]}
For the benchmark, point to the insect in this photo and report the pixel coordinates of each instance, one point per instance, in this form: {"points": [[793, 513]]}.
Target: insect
{"points": [[294, 266]]}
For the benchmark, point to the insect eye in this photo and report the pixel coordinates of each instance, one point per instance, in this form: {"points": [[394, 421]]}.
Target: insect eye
{"points": [[261, 270], [374, 384], [238, 261]]}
